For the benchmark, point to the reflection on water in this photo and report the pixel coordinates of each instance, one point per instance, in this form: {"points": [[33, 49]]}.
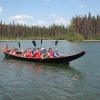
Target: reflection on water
{"points": [[40, 67], [27, 81]]}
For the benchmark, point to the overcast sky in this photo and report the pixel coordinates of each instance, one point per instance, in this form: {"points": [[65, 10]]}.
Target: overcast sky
{"points": [[46, 12]]}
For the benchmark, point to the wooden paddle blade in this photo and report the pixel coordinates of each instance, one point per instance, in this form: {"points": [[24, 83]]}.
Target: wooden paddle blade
{"points": [[19, 44], [56, 42], [34, 43], [41, 41]]}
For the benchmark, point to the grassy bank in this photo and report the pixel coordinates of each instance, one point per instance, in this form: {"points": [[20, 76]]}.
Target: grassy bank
{"points": [[75, 37]]}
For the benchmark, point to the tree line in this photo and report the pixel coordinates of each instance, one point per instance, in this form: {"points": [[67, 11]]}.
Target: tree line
{"points": [[86, 27]]}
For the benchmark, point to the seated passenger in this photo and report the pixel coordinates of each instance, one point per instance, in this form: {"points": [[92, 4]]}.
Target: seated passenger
{"points": [[50, 53], [13, 52], [3, 48], [16, 52], [34, 49], [41, 51], [25, 52], [56, 54], [37, 53], [6, 48], [44, 54], [21, 53], [29, 53]]}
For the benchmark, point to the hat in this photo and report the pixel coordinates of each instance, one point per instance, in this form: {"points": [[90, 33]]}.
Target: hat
{"points": [[56, 49], [42, 48]]}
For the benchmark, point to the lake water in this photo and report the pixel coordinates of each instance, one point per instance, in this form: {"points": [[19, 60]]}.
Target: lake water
{"points": [[80, 80]]}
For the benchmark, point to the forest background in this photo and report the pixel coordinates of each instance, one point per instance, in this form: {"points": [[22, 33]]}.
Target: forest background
{"points": [[80, 28]]}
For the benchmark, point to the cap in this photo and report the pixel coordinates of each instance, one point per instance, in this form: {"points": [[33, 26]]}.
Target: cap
{"points": [[56, 49], [42, 48]]}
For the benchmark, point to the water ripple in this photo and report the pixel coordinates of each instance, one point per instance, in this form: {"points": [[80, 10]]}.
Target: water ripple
{"points": [[20, 80]]}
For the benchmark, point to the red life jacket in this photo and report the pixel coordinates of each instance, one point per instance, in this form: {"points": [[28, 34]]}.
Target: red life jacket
{"points": [[37, 54], [51, 53], [29, 54], [17, 54], [12, 52]]}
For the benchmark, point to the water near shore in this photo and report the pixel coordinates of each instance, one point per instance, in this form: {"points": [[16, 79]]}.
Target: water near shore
{"points": [[21, 80]]}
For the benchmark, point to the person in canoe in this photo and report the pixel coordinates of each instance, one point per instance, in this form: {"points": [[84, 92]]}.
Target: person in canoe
{"points": [[57, 54], [50, 53], [16, 52], [12, 52], [33, 51], [21, 53], [29, 53], [37, 53], [6, 48], [25, 52], [44, 54]]}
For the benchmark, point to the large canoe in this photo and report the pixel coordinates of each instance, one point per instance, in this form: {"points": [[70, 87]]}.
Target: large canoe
{"points": [[61, 60]]}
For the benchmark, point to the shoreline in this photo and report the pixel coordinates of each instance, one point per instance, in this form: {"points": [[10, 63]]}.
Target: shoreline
{"points": [[30, 40], [91, 40], [53, 40]]}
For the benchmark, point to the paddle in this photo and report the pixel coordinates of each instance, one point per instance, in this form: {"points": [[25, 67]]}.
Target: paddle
{"points": [[56, 42], [41, 41], [19, 44], [34, 43], [41, 44]]}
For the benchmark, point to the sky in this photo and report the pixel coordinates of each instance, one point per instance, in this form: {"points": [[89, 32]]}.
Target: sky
{"points": [[46, 12]]}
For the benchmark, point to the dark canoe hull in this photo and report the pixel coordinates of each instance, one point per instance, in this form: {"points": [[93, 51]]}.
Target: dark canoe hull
{"points": [[61, 60]]}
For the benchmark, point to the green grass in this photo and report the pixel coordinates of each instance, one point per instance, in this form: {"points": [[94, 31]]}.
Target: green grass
{"points": [[69, 37]]}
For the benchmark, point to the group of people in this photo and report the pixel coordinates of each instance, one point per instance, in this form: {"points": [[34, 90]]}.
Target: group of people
{"points": [[36, 52]]}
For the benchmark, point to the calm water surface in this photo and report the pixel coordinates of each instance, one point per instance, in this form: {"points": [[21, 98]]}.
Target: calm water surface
{"points": [[21, 80]]}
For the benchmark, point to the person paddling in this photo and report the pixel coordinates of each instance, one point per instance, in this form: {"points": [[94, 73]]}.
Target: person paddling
{"points": [[44, 54], [57, 54], [29, 53], [6, 48], [50, 53], [37, 53]]}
